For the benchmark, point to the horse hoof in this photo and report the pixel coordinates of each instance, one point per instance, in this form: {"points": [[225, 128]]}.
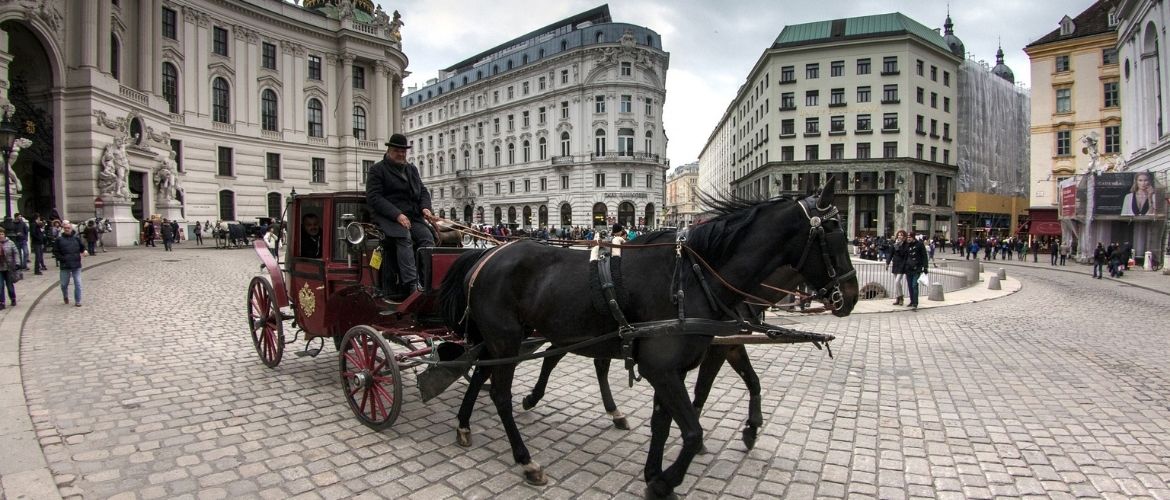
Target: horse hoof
{"points": [[651, 494], [702, 449], [621, 423], [534, 475], [463, 437], [529, 403], [749, 436]]}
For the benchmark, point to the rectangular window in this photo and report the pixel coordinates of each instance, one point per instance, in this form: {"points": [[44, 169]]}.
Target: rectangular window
{"points": [[480, 188], [224, 162], [812, 126], [1113, 139], [811, 96], [837, 97], [837, 68], [934, 73], [511, 92], [1062, 64], [942, 190], [787, 74], [863, 66], [946, 78], [540, 115], [863, 94], [947, 104], [889, 122], [649, 107], [627, 180], [177, 149], [890, 65], [863, 123], [564, 76], [564, 110], [649, 181], [511, 126], [920, 95], [787, 128], [946, 156], [920, 181], [368, 164], [627, 104], [496, 124], [599, 104], [1064, 100], [1112, 100], [527, 185], [540, 85], [812, 70], [497, 188], [170, 23], [919, 126], [836, 151], [787, 153], [934, 128], [627, 68], [524, 88], [544, 184], [1063, 143], [946, 131], [314, 67], [812, 152], [890, 94], [599, 180], [564, 182], [495, 97], [511, 186], [837, 124], [268, 56], [318, 170], [220, 41], [787, 101], [889, 149], [359, 77], [524, 119], [919, 67], [1109, 56], [863, 151], [272, 167], [934, 100]]}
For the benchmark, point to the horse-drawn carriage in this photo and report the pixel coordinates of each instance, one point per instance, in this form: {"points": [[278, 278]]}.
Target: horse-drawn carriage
{"points": [[467, 314]]}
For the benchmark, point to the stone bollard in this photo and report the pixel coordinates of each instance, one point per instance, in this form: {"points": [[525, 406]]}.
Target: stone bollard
{"points": [[935, 292], [993, 283], [1001, 273]]}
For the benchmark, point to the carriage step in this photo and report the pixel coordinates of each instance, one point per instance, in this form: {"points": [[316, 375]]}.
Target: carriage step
{"points": [[312, 353]]}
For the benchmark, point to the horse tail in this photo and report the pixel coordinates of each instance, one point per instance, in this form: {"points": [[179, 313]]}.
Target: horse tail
{"points": [[453, 292]]}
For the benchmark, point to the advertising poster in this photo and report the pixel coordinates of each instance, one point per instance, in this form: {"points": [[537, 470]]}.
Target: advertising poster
{"points": [[1127, 194], [1068, 198]]}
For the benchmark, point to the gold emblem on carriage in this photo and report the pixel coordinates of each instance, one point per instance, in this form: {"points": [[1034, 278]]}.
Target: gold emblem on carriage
{"points": [[308, 301]]}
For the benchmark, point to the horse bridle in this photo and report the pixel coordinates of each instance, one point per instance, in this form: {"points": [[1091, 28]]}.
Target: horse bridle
{"points": [[831, 292]]}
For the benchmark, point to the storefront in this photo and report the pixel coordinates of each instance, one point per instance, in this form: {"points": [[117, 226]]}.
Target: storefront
{"points": [[1127, 208]]}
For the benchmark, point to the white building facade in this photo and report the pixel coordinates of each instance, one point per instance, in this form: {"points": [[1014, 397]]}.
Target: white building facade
{"points": [[560, 127], [196, 110]]}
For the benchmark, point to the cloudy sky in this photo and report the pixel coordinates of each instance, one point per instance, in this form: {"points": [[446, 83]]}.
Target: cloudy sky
{"points": [[712, 44]]}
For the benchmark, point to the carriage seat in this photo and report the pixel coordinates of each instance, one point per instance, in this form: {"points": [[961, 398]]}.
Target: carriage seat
{"points": [[433, 263]]}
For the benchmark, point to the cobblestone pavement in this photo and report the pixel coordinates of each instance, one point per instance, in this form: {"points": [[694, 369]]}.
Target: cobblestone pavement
{"points": [[153, 390]]}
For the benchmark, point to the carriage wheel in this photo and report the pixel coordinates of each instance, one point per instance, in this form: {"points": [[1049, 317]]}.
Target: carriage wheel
{"points": [[265, 322], [370, 377]]}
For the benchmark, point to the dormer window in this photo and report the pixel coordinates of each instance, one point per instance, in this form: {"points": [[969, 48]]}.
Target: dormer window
{"points": [[1113, 17], [1067, 26]]}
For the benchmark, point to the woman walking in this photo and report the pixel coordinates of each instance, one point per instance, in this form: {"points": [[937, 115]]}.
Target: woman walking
{"points": [[896, 263], [9, 268]]}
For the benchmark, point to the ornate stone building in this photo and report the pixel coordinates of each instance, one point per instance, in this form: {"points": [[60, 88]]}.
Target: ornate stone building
{"points": [[195, 110], [682, 196], [565, 119]]}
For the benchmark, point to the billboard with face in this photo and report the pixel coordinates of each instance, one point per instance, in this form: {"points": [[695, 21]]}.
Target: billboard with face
{"points": [[1128, 194]]}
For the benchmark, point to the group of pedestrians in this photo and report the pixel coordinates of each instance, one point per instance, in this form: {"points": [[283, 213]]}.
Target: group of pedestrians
{"points": [[1114, 257], [58, 236], [908, 258]]}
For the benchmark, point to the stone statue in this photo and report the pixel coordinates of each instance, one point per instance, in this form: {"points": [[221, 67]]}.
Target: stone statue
{"points": [[380, 17], [345, 9], [395, 34], [115, 169], [14, 183], [168, 183]]}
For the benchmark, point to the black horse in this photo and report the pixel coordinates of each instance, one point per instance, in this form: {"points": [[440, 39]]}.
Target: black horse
{"points": [[525, 287]]}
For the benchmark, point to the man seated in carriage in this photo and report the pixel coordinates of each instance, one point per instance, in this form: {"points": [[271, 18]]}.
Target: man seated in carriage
{"points": [[310, 236], [401, 206]]}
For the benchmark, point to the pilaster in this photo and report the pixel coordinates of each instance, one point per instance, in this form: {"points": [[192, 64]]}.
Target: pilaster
{"points": [[345, 108], [146, 45]]}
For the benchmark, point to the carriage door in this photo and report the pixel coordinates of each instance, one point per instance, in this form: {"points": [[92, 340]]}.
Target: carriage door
{"points": [[310, 245]]}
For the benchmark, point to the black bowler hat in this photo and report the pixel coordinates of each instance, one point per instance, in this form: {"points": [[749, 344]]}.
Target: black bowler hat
{"points": [[398, 141]]}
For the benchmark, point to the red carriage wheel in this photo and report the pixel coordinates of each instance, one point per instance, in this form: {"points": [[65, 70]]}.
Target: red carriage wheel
{"points": [[370, 377], [265, 322]]}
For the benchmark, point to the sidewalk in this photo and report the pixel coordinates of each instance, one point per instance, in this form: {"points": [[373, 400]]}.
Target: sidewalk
{"points": [[974, 293], [1153, 281], [24, 473]]}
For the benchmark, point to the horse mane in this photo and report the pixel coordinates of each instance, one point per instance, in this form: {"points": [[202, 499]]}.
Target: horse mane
{"points": [[716, 238]]}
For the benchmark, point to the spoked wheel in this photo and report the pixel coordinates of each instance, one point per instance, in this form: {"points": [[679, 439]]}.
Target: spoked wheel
{"points": [[265, 322], [370, 377]]}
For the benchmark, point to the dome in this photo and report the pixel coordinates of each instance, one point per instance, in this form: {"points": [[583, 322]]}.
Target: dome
{"points": [[1001, 70], [951, 40]]}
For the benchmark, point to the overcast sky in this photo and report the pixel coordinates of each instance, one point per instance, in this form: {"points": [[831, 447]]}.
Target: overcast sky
{"points": [[712, 44]]}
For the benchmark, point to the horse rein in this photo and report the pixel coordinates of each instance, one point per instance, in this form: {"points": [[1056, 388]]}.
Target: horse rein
{"points": [[832, 290]]}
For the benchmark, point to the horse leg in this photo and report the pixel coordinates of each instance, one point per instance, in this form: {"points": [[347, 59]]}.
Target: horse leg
{"points": [[619, 420], [737, 357], [659, 431], [671, 392], [502, 396], [463, 432], [710, 367], [546, 368]]}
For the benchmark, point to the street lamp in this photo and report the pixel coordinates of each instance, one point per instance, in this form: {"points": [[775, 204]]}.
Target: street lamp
{"points": [[7, 137]]}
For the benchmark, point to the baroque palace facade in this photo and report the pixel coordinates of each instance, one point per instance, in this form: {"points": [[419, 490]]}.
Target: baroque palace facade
{"points": [[556, 128], [195, 110]]}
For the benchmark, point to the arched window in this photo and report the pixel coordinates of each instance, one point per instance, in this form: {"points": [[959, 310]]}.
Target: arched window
{"points": [[274, 205], [170, 86], [649, 142], [466, 159], [599, 142], [565, 143], [527, 214], [600, 213], [626, 214], [497, 163], [527, 152], [497, 216], [511, 153], [440, 164], [566, 215], [467, 214], [316, 119], [115, 57], [268, 110], [626, 141], [479, 158], [649, 220], [542, 148], [511, 215], [430, 168], [359, 122], [542, 215], [220, 102], [227, 205]]}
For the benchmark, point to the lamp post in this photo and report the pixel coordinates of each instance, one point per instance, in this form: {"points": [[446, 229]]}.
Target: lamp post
{"points": [[7, 136]]}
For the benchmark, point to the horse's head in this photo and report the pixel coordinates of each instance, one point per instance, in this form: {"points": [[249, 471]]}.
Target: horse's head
{"points": [[824, 261]]}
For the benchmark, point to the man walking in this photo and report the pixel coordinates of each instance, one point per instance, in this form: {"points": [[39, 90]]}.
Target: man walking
{"points": [[198, 234], [168, 234], [1099, 256], [91, 237], [1054, 249], [915, 266], [38, 236], [19, 237], [68, 250], [401, 206]]}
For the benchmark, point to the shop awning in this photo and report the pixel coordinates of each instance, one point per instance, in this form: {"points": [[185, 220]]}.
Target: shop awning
{"points": [[1044, 223]]}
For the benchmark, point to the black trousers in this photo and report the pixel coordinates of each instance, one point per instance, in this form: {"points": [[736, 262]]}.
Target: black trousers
{"points": [[420, 236]]}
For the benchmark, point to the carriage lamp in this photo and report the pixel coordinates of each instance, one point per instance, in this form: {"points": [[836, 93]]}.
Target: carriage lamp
{"points": [[7, 137]]}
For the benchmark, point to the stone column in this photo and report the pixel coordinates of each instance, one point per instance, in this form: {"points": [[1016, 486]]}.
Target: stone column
{"points": [[881, 215], [146, 44], [851, 221], [345, 108], [156, 45], [104, 32], [5, 61], [396, 105], [381, 113], [89, 31], [287, 67]]}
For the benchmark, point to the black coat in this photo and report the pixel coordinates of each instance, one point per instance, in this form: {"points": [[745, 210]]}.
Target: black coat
{"points": [[68, 250], [393, 189], [897, 258], [916, 257]]}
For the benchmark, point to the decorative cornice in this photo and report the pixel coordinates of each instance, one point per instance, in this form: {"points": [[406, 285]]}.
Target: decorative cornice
{"points": [[220, 68], [104, 120], [269, 80], [190, 15]]}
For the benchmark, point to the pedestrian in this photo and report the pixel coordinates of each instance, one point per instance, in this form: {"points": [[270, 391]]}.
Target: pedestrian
{"points": [[148, 234], [271, 239], [20, 239], [39, 238], [1099, 256], [1064, 248], [198, 234], [1035, 250], [91, 237], [68, 250], [915, 266], [10, 271], [1054, 250], [168, 235], [896, 263], [401, 205]]}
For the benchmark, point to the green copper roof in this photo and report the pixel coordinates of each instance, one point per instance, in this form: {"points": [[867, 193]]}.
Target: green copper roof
{"points": [[856, 27]]}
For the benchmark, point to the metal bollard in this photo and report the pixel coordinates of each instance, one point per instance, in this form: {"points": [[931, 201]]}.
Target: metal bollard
{"points": [[1001, 273], [935, 292], [993, 283]]}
